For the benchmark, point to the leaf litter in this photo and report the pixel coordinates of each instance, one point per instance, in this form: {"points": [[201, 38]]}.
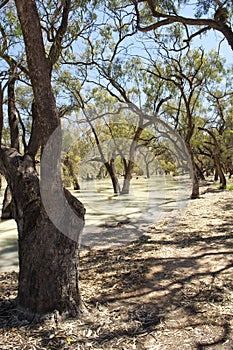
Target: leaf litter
{"points": [[170, 289]]}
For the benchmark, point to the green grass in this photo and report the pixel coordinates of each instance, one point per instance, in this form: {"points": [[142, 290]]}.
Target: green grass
{"points": [[230, 187]]}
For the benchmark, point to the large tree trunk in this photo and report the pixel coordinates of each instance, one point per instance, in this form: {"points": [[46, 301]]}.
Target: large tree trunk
{"points": [[48, 258], [48, 238]]}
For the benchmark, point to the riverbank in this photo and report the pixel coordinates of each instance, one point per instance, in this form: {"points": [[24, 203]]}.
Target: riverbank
{"points": [[170, 289]]}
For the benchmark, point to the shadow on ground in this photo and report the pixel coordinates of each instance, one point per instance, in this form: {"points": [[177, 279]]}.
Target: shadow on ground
{"points": [[170, 289]]}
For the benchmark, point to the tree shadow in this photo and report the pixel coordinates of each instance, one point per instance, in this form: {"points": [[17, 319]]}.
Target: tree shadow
{"points": [[190, 282], [165, 282]]}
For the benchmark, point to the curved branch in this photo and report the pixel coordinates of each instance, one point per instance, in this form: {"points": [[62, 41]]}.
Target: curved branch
{"points": [[169, 19]]}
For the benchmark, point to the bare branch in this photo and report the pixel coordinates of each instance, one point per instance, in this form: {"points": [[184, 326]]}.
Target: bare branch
{"points": [[3, 3], [199, 32]]}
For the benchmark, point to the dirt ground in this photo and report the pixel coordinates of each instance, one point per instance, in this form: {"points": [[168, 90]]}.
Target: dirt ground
{"points": [[171, 289]]}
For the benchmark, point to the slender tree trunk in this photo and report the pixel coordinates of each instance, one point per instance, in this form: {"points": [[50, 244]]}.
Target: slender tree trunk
{"points": [[72, 174], [7, 206], [215, 174], [101, 172], [130, 165], [195, 188], [12, 118], [110, 166], [216, 156], [147, 171], [219, 170], [1, 122], [76, 183], [1, 112], [230, 170], [200, 172], [127, 177]]}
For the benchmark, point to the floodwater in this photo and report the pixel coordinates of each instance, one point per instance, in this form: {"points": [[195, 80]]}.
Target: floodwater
{"points": [[112, 219]]}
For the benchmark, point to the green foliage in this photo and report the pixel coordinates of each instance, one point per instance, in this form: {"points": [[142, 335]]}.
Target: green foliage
{"points": [[108, 70], [168, 167]]}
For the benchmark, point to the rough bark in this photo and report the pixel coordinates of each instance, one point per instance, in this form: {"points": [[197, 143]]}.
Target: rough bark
{"points": [[48, 259], [12, 117], [40, 69], [34, 141], [7, 205], [48, 256]]}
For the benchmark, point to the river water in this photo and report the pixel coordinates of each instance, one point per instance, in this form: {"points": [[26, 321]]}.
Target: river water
{"points": [[110, 219]]}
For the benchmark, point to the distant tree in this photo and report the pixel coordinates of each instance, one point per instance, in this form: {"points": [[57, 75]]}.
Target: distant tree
{"points": [[185, 81], [215, 133]]}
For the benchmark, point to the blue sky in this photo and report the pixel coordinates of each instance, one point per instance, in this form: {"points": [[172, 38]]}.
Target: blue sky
{"points": [[211, 40]]}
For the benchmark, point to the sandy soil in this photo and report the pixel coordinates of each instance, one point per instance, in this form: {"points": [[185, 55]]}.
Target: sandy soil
{"points": [[170, 289]]}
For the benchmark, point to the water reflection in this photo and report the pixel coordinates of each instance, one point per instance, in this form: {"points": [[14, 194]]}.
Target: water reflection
{"points": [[111, 219], [115, 220]]}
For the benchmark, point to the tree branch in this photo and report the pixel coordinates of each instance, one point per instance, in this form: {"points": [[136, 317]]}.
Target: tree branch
{"points": [[199, 32], [3, 4], [56, 47], [167, 19]]}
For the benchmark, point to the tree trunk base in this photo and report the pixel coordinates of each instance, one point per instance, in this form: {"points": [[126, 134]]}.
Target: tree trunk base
{"points": [[48, 255], [194, 196], [18, 315]]}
